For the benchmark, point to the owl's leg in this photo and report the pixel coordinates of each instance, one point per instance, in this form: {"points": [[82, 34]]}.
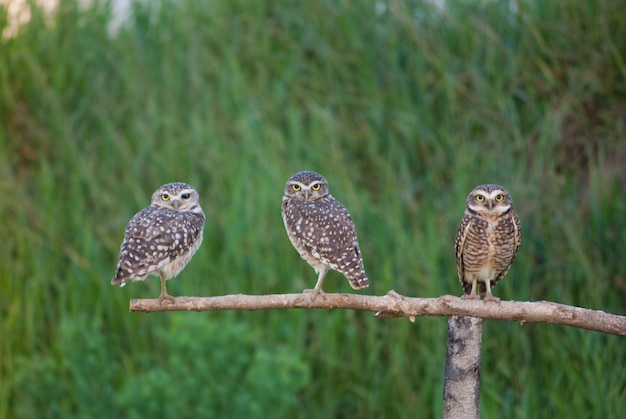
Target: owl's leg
{"points": [[318, 287], [164, 295], [473, 295], [489, 296]]}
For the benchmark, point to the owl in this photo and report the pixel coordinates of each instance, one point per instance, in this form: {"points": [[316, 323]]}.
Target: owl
{"points": [[321, 229], [161, 239], [487, 240]]}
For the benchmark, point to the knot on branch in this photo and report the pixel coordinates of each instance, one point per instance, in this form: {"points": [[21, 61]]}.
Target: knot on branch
{"points": [[396, 303]]}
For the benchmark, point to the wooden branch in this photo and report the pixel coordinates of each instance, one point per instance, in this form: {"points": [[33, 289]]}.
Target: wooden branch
{"points": [[395, 305]]}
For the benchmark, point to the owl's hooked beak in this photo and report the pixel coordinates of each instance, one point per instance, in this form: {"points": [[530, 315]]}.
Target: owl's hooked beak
{"points": [[306, 194], [176, 204]]}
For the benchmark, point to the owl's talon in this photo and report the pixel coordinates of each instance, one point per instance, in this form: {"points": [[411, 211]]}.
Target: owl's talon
{"points": [[316, 291], [491, 299], [169, 299], [470, 297]]}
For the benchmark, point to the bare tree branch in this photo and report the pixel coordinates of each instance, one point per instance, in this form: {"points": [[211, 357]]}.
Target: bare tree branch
{"points": [[395, 305]]}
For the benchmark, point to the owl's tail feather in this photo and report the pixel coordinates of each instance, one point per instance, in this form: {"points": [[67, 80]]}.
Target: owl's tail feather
{"points": [[359, 282], [119, 281]]}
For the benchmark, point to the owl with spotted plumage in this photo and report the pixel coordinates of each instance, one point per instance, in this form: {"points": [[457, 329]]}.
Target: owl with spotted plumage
{"points": [[321, 229], [161, 239], [487, 240]]}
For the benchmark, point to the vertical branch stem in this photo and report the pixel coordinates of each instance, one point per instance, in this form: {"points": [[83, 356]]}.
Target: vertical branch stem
{"points": [[461, 392]]}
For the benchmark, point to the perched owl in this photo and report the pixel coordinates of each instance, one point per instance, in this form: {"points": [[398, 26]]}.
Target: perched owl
{"points": [[321, 229], [487, 240], [162, 238]]}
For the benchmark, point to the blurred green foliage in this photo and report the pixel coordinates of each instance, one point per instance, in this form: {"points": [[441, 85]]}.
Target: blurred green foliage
{"points": [[80, 375], [404, 107]]}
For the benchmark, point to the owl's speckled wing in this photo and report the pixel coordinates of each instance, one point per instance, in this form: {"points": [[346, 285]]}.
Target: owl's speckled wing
{"points": [[154, 237], [339, 231], [511, 242], [459, 245]]}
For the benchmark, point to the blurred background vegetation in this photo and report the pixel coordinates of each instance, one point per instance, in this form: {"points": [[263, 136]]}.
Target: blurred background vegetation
{"points": [[403, 106]]}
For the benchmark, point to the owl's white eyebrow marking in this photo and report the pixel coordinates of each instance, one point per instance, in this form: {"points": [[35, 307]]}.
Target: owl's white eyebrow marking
{"points": [[493, 194]]}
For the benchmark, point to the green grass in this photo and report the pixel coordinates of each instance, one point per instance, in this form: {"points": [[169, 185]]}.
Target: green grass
{"points": [[404, 112]]}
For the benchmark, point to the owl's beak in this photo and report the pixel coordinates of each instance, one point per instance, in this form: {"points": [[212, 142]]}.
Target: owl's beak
{"points": [[176, 204], [306, 194]]}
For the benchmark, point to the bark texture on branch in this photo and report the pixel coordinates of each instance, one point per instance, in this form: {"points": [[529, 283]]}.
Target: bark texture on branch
{"points": [[395, 305], [461, 392]]}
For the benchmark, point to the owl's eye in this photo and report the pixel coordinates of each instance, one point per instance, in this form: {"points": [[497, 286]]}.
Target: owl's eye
{"points": [[480, 198], [316, 186], [295, 187], [185, 196], [165, 197], [499, 198]]}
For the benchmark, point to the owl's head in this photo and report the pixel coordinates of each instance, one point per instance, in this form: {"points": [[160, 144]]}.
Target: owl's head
{"points": [[306, 186], [489, 200], [177, 196]]}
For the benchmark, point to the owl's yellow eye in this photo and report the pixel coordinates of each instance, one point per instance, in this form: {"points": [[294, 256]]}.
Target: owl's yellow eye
{"points": [[165, 197], [295, 187], [480, 198], [499, 198], [316, 186]]}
